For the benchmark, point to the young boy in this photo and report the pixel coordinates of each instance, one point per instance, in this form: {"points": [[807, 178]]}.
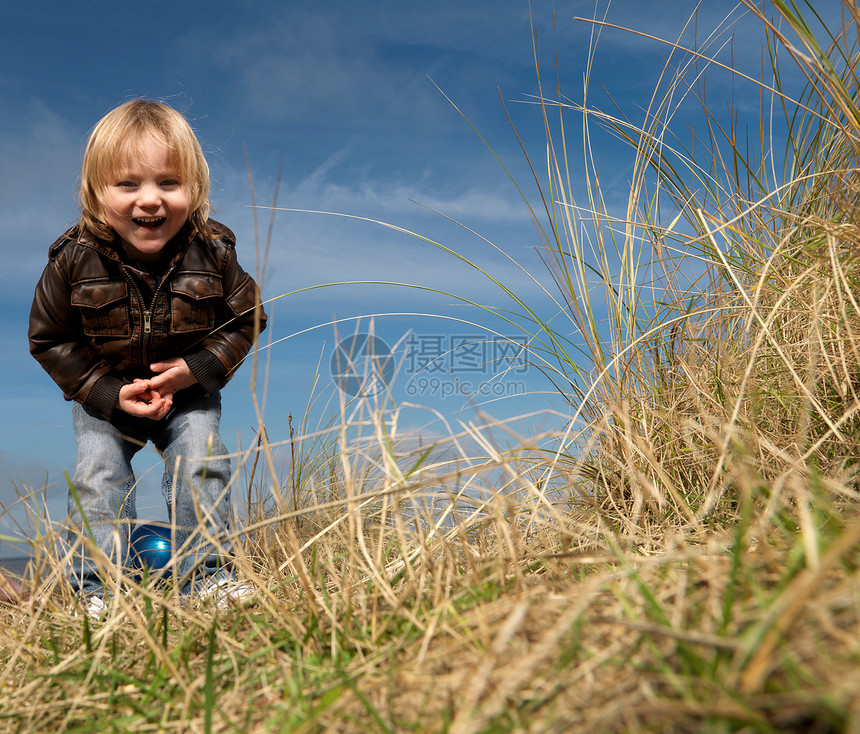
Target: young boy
{"points": [[140, 317]]}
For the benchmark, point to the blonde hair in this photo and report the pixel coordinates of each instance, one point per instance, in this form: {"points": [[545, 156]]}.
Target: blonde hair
{"points": [[120, 135]]}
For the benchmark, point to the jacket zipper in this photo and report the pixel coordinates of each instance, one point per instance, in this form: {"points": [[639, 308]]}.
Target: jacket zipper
{"points": [[147, 312]]}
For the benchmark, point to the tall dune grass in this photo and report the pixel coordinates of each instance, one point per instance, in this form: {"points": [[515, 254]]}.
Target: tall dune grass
{"points": [[680, 554]]}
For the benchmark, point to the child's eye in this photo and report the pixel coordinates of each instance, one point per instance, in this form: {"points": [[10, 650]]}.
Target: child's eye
{"points": [[125, 184], [170, 182]]}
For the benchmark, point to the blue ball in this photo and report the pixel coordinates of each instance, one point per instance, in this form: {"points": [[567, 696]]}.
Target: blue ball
{"points": [[150, 548]]}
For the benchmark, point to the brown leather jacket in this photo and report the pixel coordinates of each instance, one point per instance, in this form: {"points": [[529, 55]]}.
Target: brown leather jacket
{"points": [[98, 321]]}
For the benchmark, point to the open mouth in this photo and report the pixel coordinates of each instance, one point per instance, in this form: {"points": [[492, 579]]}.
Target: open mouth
{"points": [[149, 222]]}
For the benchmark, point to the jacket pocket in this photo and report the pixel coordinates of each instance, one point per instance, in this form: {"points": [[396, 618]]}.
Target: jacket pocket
{"points": [[194, 301], [103, 305]]}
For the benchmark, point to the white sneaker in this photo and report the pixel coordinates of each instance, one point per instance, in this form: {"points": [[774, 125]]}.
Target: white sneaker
{"points": [[226, 593], [95, 608]]}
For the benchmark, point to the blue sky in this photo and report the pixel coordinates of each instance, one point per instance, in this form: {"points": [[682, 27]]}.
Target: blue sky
{"points": [[347, 96]]}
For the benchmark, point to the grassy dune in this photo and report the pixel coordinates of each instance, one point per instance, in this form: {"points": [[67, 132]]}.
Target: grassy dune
{"points": [[685, 560]]}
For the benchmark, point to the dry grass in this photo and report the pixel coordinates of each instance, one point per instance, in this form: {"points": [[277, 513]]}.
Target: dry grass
{"points": [[511, 615]]}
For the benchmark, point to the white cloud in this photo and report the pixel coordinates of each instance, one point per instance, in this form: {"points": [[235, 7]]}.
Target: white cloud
{"points": [[310, 249], [302, 67], [465, 199], [41, 158]]}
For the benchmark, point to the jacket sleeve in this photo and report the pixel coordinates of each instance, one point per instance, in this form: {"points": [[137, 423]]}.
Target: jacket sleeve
{"points": [[58, 343], [222, 351]]}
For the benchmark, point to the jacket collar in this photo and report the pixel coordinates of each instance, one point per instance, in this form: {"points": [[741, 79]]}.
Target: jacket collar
{"points": [[113, 249]]}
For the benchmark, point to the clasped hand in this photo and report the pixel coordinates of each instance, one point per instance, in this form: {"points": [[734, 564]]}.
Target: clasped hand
{"points": [[153, 398]]}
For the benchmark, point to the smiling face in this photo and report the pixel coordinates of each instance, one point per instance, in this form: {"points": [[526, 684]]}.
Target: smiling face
{"points": [[146, 201]]}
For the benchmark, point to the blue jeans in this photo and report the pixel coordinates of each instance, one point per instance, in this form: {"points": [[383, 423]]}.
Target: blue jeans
{"points": [[196, 490]]}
